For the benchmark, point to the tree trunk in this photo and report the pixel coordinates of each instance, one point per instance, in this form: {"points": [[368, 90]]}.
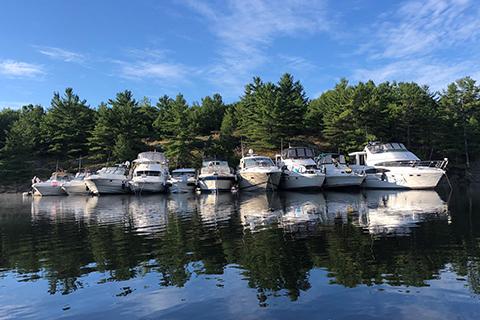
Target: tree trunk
{"points": [[467, 159]]}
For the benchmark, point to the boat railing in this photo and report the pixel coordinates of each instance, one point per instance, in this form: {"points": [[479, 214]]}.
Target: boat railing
{"points": [[440, 164]]}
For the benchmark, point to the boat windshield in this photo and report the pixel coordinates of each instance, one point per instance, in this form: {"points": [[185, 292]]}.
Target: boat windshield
{"points": [[148, 173], [258, 162], [387, 147], [184, 173], [112, 170], [214, 163], [298, 153]]}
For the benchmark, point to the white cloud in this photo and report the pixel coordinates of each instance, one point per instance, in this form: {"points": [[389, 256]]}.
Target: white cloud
{"points": [[61, 54], [436, 74], [246, 29], [424, 41], [154, 70], [12, 68]]}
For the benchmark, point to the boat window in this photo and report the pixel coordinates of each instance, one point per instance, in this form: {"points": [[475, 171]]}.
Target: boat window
{"points": [[309, 153], [258, 162], [148, 173], [291, 153], [301, 153], [361, 159]]}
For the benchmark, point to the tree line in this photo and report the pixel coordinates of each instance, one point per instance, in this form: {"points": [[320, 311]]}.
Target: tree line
{"points": [[344, 118]]}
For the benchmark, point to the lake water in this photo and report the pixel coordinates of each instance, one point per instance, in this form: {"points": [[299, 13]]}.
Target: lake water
{"points": [[328, 255]]}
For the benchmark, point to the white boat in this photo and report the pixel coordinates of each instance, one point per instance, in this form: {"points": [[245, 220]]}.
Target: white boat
{"points": [[258, 173], [392, 166], [150, 173], [300, 171], [51, 187], [109, 180], [77, 185], [338, 173], [216, 175], [182, 180]]}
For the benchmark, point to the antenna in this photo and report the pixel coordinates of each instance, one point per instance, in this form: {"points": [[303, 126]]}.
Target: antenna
{"points": [[281, 146], [79, 163], [241, 145]]}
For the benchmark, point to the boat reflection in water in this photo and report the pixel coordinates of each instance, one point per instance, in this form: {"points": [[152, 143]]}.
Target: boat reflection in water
{"points": [[216, 208], [380, 212], [396, 212]]}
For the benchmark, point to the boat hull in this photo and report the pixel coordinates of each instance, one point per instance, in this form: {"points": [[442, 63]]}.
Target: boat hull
{"points": [[75, 188], [259, 181], [292, 180], [343, 180], [46, 189], [147, 186], [216, 183], [427, 178], [107, 186]]}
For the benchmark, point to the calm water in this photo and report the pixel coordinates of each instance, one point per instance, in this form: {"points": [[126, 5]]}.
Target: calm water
{"points": [[330, 255]]}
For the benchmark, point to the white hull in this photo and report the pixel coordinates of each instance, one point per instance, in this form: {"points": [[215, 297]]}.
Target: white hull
{"points": [[75, 188], [259, 181], [402, 179], [147, 186], [46, 189], [107, 186], [293, 180], [216, 183], [343, 180]]}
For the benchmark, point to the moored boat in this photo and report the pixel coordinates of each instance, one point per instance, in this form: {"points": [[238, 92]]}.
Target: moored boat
{"points": [[338, 173], [258, 173], [150, 173], [300, 171], [392, 166], [216, 175], [77, 185], [109, 180], [52, 186], [182, 180]]}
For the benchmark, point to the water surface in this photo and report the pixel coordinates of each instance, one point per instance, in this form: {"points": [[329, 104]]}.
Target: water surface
{"points": [[333, 255]]}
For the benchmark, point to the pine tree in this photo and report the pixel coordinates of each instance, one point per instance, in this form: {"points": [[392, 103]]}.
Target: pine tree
{"points": [[23, 144], [119, 130], [67, 125], [180, 127]]}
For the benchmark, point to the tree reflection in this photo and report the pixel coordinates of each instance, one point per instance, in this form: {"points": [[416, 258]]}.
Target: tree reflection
{"points": [[275, 240]]}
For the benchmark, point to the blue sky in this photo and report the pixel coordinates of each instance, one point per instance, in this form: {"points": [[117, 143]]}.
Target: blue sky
{"points": [[202, 47]]}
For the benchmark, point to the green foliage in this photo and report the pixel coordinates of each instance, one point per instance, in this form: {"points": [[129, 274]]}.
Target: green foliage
{"points": [[67, 125], [344, 118], [119, 130], [270, 112], [209, 114], [180, 127], [7, 118], [22, 145], [460, 109]]}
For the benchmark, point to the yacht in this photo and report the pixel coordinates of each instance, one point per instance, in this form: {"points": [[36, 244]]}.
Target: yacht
{"points": [[51, 187], [77, 185], [183, 180], [338, 173], [109, 180], [150, 173], [300, 171], [258, 173], [216, 175], [392, 166]]}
